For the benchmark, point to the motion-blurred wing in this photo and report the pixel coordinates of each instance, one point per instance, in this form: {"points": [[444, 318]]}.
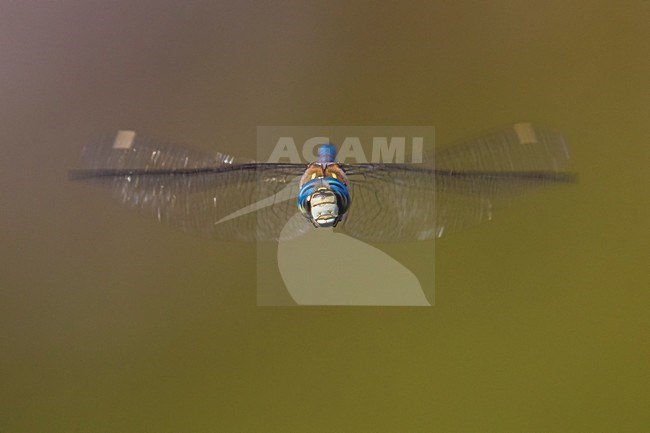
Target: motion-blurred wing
{"points": [[218, 195], [463, 187]]}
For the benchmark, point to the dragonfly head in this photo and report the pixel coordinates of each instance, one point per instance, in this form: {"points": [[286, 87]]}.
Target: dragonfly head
{"points": [[324, 208], [324, 201]]}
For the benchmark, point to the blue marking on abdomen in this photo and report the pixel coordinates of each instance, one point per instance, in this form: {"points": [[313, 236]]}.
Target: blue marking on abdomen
{"points": [[326, 153]]}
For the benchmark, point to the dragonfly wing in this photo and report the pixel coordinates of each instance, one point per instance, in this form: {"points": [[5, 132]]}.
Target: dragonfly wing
{"points": [[390, 202], [479, 175], [515, 148], [464, 199], [468, 182], [218, 195]]}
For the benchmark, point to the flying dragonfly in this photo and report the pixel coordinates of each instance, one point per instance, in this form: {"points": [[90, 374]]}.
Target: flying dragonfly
{"points": [[230, 198]]}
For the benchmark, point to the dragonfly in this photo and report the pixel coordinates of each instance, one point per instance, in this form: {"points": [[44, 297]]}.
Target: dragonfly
{"points": [[231, 198]]}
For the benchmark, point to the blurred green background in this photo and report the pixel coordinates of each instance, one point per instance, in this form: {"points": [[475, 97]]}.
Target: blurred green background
{"points": [[111, 323]]}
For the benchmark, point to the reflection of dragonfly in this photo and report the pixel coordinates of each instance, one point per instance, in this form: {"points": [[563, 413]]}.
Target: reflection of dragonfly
{"points": [[224, 197]]}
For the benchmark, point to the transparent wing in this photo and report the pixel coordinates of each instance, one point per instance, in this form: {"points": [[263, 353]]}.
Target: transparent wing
{"points": [[216, 195], [518, 147], [467, 183]]}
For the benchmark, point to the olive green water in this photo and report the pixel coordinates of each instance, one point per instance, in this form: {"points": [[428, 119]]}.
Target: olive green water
{"points": [[111, 323]]}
